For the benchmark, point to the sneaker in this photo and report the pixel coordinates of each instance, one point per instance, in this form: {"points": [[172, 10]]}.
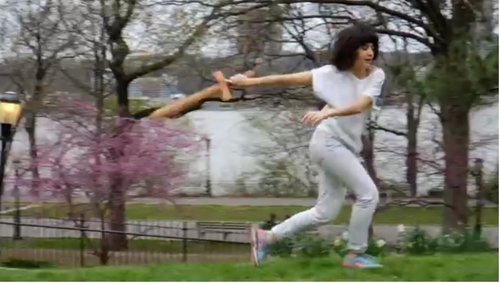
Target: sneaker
{"points": [[259, 245], [360, 261]]}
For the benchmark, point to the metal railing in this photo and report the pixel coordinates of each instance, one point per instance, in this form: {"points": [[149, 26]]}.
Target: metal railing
{"points": [[81, 242]]}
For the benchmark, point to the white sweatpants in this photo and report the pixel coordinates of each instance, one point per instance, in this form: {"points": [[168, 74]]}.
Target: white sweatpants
{"points": [[339, 170]]}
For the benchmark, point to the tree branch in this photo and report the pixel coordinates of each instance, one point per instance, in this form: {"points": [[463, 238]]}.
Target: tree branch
{"points": [[420, 39], [371, 4], [199, 31], [375, 126]]}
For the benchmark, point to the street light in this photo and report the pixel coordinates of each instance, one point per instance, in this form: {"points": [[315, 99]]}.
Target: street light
{"points": [[208, 183], [17, 215], [10, 114]]}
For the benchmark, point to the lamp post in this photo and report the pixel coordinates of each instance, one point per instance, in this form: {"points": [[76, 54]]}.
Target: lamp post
{"points": [[207, 160], [17, 215], [10, 114]]}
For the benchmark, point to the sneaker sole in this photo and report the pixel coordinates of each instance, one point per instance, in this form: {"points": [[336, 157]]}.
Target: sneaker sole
{"points": [[355, 266], [253, 242]]}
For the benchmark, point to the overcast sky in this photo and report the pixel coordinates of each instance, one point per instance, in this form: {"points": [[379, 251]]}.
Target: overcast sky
{"points": [[154, 33]]}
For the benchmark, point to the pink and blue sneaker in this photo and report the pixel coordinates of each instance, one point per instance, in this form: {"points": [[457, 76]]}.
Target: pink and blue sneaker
{"points": [[259, 245], [360, 261]]}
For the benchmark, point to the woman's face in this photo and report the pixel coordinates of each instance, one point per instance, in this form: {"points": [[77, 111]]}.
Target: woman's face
{"points": [[364, 56]]}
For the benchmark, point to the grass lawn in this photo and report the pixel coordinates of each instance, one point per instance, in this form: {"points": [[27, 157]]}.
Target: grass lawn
{"points": [[466, 267], [393, 215]]}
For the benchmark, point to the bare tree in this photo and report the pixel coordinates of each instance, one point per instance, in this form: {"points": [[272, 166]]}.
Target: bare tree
{"points": [[404, 89], [42, 43], [447, 30], [284, 166], [117, 16]]}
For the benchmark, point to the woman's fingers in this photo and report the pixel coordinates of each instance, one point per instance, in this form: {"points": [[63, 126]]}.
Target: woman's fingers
{"points": [[237, 79], [308, 118]]}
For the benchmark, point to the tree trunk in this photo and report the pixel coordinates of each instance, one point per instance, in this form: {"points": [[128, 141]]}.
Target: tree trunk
{"points": [[118, 192], [119, 51], [30, 124], [123, 103], [98, 88], [117, 216], [368, 156], [411, 148], [30, 129], [104, 250], [411, 162], [455, 122]]}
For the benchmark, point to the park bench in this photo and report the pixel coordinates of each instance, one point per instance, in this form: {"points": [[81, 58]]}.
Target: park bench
{"points": [[225, 228]]}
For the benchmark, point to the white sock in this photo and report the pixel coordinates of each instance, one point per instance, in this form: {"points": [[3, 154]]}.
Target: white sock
{"points": [[269, 237]]}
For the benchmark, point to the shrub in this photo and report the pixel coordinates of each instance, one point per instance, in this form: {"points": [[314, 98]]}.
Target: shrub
{"points": [[376, 247], [282, 248], [466, 241], [309, 245], [23, 263], [418, 242], [304, 244], [492, 188]]}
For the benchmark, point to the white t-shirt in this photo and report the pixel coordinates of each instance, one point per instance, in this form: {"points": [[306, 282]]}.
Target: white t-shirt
{"points": [[341, 89]]}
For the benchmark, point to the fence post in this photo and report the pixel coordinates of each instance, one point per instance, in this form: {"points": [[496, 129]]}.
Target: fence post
{"points": [[184, 241], [82, 239]]}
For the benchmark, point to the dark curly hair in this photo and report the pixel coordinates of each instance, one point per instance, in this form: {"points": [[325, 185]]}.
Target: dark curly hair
{"points": [[344, 48]]}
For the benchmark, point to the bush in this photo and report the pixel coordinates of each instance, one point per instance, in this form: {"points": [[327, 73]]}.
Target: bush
{"points": [[492, 188], [418, 242], [304, 244], [376, 247], [282, 248], [460, 242], [435, 193], [309, 245], [23, 263], [415, 242]]}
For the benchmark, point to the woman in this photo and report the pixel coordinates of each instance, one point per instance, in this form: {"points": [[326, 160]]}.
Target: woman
{"points": [[349, 85]]}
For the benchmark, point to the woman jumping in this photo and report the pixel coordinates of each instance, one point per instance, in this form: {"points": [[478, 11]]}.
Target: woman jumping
{"points": [[349, 85]]}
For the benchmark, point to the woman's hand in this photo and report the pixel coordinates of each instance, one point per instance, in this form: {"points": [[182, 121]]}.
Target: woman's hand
{"points": [[238, 80], [313, 118]]}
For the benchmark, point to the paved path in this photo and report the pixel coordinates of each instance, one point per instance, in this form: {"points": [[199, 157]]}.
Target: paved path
{"points": [[249, 201], [231, 201], [12, 209]]}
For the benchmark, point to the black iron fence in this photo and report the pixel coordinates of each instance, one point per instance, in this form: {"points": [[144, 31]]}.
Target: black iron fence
{"points": [[81, 242]]}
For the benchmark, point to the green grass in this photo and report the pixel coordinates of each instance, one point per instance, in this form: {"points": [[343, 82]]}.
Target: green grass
{"points": [[393, 215], [111, 104], [476, 267]]}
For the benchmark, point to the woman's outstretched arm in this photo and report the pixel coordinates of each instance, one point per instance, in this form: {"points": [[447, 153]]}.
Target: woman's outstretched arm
{"points": [[286, 80]]}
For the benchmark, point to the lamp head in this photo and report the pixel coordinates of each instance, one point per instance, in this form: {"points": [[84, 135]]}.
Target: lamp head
{"points": [[10, 108]]}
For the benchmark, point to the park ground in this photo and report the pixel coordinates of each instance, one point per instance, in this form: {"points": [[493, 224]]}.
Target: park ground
{"points": [[449, 267], [453, 267], [251, 213]]}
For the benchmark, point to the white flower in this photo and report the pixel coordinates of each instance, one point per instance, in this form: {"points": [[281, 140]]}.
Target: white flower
{"points": [[380, 243], [345, 235], [401, 228], [337, 242]]}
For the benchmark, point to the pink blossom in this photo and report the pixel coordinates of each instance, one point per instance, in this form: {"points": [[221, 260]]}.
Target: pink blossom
{"points": [[142, 157]]}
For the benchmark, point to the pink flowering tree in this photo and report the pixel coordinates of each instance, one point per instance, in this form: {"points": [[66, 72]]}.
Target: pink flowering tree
{"points": [[83, 162]]}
